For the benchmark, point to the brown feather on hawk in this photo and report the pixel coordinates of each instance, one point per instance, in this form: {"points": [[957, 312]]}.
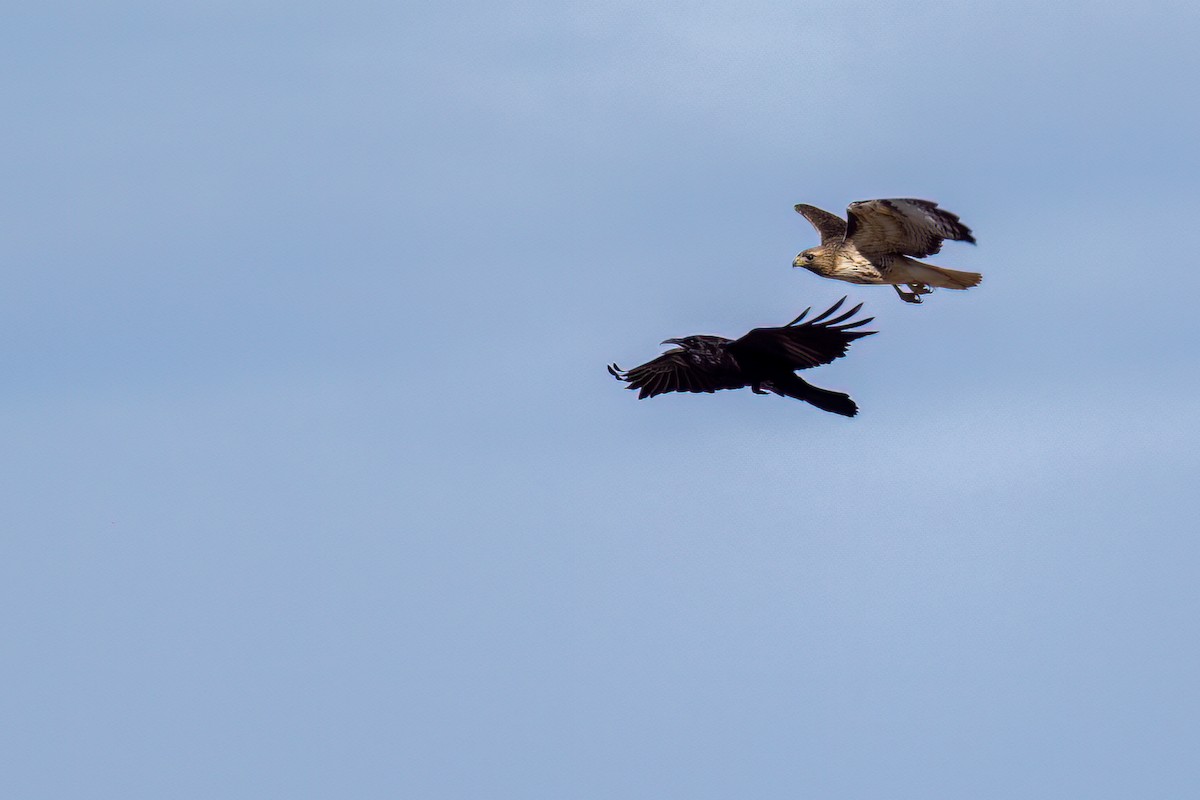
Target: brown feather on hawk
{"points": [[879, 242]]}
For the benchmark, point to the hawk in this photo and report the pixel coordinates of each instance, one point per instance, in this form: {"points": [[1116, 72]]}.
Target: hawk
{"points": [[880, 241], [765, 359]]}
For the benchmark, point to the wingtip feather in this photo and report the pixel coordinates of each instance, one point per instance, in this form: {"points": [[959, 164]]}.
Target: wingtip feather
{"points": [[796, 321], [827, 312], [845, 316]]}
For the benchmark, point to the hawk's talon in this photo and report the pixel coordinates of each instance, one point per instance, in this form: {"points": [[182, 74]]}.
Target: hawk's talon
{"points": [[913, 297]]}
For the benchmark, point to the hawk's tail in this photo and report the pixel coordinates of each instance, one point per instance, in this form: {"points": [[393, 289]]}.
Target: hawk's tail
{"points": [[800, 389], [942, 277]]}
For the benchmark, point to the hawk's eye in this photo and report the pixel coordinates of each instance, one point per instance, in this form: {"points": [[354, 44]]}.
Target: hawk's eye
{"points": [[808, 256]]}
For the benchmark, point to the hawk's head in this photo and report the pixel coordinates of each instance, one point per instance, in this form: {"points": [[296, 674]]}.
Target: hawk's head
{"points": [[811, 259]]}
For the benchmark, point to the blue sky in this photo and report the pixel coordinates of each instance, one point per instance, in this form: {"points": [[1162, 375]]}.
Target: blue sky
{"points": [[316, 485]]}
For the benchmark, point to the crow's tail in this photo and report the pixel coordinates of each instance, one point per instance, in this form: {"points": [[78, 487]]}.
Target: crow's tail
{"points": [[797, 387]]}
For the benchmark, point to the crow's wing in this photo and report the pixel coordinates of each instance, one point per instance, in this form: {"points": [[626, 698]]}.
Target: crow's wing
{"points": [[801, 346], [830, 226], [902, 226], [680, 371]]}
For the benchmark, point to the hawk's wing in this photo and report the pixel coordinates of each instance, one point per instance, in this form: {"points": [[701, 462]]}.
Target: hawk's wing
{"points": [[902, 226], [680, 371], [830, 226], [801, 346]]}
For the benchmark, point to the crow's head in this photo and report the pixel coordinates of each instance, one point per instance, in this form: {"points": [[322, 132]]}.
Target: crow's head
{"points": [[700, 347], [698, 342]]}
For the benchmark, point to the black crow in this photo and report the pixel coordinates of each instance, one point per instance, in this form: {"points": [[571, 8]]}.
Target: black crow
{"points": [[765, 359]]}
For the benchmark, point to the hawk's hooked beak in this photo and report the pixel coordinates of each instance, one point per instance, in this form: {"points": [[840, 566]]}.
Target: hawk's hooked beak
{"points": [[798, 262]]}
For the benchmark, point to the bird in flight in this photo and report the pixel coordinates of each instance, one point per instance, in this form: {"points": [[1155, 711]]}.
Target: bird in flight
{"points": [[879, 242], [765, 359]]}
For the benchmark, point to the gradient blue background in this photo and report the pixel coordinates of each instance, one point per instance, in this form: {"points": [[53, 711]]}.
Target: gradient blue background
{"points": [[315, 486]]}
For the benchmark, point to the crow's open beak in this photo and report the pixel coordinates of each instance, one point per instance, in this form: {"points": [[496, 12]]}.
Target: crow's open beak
{"points": [[672, 341]]}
